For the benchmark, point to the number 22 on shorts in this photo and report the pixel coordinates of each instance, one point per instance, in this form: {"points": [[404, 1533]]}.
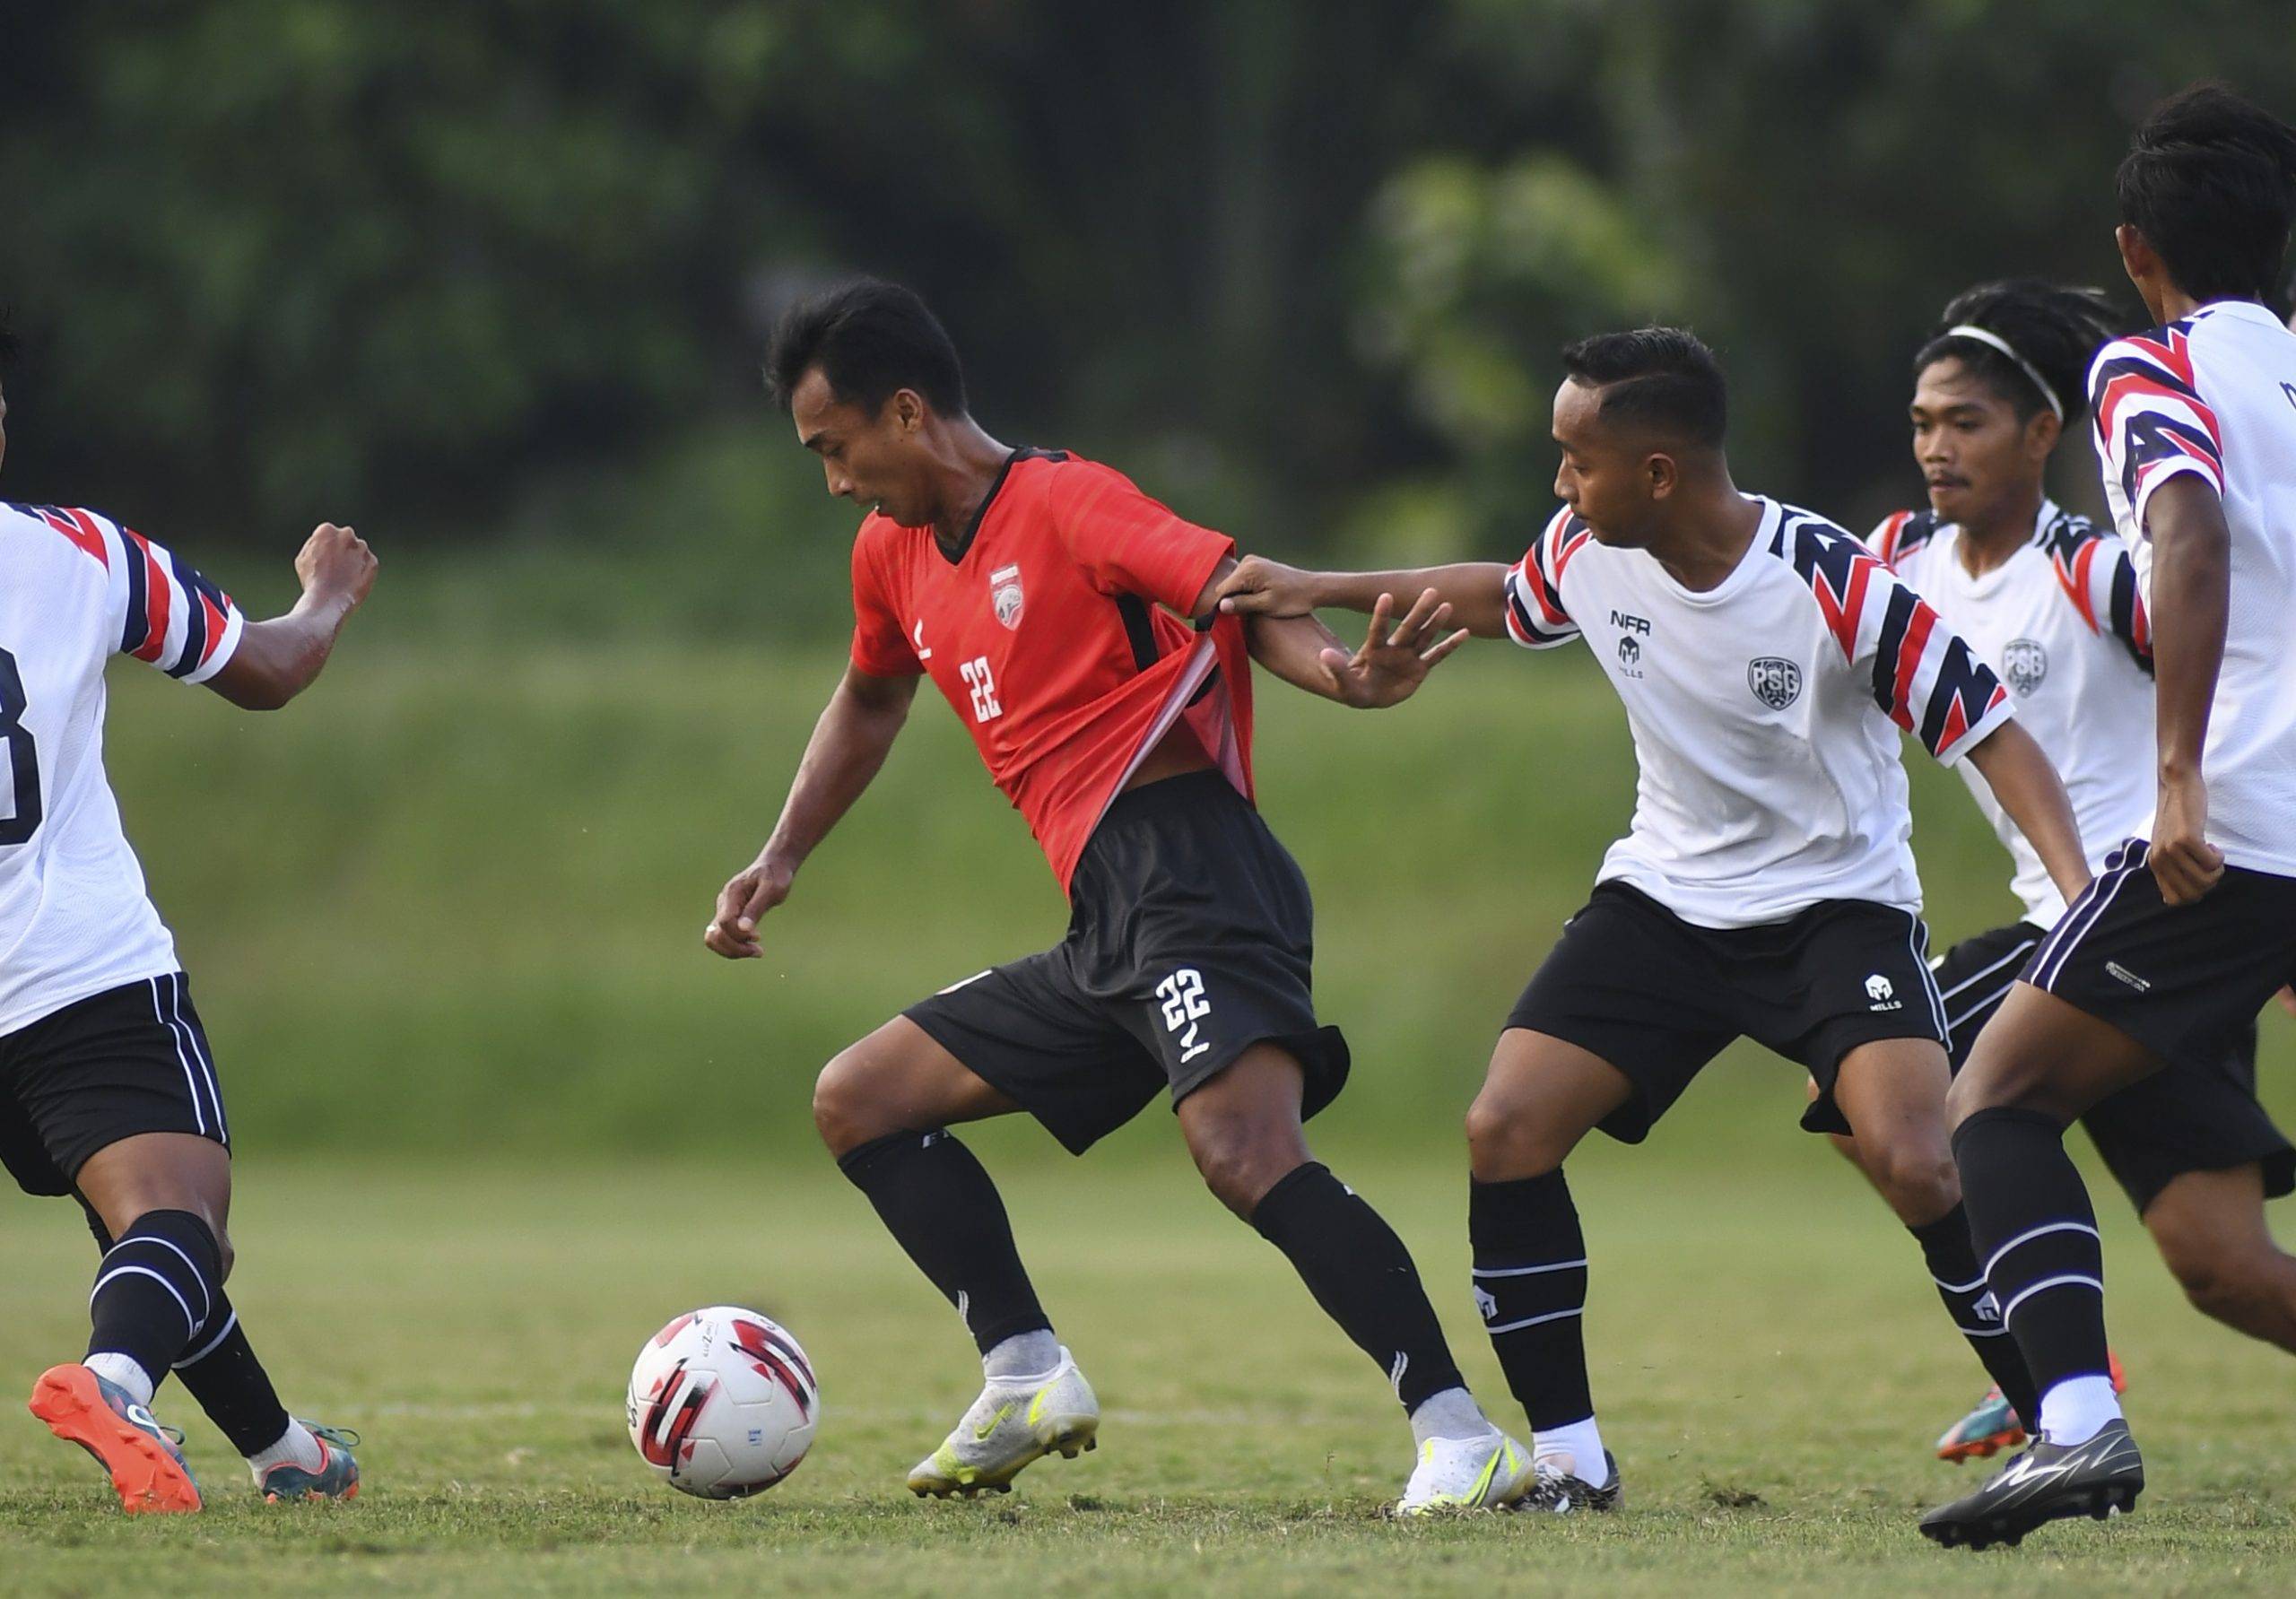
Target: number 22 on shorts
{"points": [[1185, 1007]]}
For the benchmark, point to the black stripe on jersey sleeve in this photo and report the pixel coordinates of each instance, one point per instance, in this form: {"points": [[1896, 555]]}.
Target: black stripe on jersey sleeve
{"points": [[2124, 614], [139, 618], [1895, 620], [194, 620]]}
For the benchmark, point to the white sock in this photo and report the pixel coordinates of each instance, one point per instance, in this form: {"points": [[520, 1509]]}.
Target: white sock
{"points": [[1577, 1448], [1452, 1414], [2076, 1410], [1023, 1354], [123, 1371], [296, 1447]]}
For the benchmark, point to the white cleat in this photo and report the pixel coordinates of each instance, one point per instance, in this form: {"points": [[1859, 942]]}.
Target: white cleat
{"points": [[1466, 1474], [1014, 1421]]}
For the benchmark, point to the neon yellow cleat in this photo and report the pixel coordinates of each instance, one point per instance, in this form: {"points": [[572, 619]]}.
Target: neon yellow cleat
{"points": [[1473, 1473], [1013, 1423]]}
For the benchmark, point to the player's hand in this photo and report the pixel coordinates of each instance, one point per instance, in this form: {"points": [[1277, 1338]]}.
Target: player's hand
{"points": [[733, 931], [335, 562], [1259, 587], [1394, 659], [2183, 862]]}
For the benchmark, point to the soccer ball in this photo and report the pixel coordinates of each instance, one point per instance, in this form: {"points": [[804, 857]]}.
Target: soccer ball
{"points": [[723, 1402]]}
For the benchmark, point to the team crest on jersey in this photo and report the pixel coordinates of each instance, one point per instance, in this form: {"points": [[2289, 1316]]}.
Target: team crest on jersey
{"points": [[1005, 595], [2024, 663], [1777, 682]]}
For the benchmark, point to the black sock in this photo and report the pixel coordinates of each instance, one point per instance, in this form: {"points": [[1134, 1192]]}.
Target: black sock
{"points": [[939, 1206], [221, 1372], [1961, 1282], [2031, 1221], [1530, 1283], [1362, 1275], [155, 1288]]}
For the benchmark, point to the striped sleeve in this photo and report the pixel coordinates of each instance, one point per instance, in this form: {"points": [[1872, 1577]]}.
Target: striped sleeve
{"points": [[2151, 421], [2099, 577], [1922, 674], [169, 613], [1536, 618]]}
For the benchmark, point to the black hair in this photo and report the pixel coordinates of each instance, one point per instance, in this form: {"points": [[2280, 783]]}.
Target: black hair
{"points": [[2054, 330], [869, 339], [1665, 376], [2210, 180]]}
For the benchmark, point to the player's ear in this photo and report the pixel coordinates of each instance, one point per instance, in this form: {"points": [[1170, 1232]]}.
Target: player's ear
{"points": [[907, 409], [2137, 256], [1660, 474], [2042, 430]]}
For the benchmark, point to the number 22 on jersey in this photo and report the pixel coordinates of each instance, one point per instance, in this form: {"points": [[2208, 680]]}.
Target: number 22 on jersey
{"points": [[982, 682]]}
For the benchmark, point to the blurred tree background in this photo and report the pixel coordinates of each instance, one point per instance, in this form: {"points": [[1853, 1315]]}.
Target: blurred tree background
{"points": [[494, 282], [500, 274]]}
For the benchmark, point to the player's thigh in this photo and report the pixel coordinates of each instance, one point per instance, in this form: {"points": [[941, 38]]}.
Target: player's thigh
{"points": [[2040, 1054], [2210, 1228], [899, 1079], [1541, 1095]]}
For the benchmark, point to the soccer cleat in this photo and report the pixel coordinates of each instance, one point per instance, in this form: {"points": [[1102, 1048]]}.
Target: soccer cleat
{"points": [[1995, 1426], [147, 1466], [337, 1477], [1013, 1423], [1986, 1431], [1489, 1472], [2048, 1482], [1558, 1491]]}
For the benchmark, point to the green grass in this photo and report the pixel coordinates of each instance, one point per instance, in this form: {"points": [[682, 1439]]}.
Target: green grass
{"points": [[1769, 1360]]}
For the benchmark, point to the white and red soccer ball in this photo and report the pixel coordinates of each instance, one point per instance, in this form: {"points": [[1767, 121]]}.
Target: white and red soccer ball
{"points": [[723, 1402]]}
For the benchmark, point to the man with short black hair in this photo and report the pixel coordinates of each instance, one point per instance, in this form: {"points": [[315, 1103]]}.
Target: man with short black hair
{"points": [[1069, 620], [1765, 888], [2151, 975]]}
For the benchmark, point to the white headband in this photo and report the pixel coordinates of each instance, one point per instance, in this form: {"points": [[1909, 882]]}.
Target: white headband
{"points": [[1964, 331]]}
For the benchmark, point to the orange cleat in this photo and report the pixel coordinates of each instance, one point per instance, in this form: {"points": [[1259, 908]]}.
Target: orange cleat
{"points": [[145, 1464], [1995, 1425]]}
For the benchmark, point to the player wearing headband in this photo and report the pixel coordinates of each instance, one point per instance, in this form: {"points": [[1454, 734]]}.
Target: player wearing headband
{"points": [[2051, 601], [2152, 972]]}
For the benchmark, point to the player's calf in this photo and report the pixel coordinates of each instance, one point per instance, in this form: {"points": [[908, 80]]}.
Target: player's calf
{"points": [[2211, 1231]]}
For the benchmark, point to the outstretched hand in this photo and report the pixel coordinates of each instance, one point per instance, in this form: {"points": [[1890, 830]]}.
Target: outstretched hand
{"points": [[1395, 657], [1259, 587]]}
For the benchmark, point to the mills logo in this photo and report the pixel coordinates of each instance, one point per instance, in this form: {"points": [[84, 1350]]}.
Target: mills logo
{"points": [[1005, 595]]}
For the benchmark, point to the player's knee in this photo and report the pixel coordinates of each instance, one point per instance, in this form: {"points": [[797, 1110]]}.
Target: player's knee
{"points": [[1918, 1179], [844, 1110], [1504, 1143], [2214, 1273], [1240, 1160]]}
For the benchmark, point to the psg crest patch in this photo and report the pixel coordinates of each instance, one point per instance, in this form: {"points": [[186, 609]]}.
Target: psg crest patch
{"points": [[1005, 595], [1776, 682], [2024, 663]]}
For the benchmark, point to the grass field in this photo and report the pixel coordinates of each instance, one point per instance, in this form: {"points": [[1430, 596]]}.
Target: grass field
{"points": [[1769, 1360]]}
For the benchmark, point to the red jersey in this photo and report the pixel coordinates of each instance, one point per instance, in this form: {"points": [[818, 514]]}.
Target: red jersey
{"points": [[1044, 633]]}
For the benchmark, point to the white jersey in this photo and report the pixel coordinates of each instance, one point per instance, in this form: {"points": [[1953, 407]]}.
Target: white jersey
{"points": [[2215, 395], [77, 588], [2060, 622], [1766, 712]]}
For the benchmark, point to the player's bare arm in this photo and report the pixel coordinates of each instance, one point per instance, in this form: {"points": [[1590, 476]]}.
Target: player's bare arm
{"points": [[1394, 659], [1476, 591], [849, 743], [2191, 591], [2025, 783], [278, 659]]}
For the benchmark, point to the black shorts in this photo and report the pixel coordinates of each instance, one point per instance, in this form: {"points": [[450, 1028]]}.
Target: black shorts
{"points": [[1658, 998], [1190, 934], [2185, 981], [131, 1059]]}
